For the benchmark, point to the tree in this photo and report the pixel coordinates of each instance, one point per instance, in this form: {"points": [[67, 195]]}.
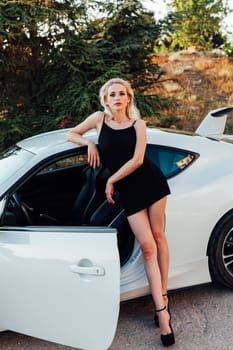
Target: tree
{"points": [[126, 39], [24, 50], [55, 55], [194, 23]]}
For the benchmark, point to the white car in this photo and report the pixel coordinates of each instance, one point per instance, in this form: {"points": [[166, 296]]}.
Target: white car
{"points": [[67, 257]]}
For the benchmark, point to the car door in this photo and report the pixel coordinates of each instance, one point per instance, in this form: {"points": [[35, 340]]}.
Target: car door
{"points": [[60, 284]]}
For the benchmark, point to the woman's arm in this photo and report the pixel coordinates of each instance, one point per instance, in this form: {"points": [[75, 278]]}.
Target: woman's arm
{"points": [[76, 135], [133, 163]]}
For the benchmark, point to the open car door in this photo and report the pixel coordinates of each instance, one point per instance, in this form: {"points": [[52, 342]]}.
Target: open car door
{"points": [[60, 284]]}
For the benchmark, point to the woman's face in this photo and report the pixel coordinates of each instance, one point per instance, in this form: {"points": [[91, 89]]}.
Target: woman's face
{"points": [[117, 98]]}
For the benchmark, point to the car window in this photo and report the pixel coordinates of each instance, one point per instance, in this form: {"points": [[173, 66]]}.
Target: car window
{"points": [[48, 195], [70, 161], [170, 160]]}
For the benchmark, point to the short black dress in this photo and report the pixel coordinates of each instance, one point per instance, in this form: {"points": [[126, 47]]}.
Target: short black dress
{"points": [[144, 186]]}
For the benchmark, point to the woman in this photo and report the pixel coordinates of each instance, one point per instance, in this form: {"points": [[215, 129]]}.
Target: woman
{"points": [[142, 187]]}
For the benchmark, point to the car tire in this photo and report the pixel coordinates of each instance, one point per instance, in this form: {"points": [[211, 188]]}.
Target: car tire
{"points": [[220, 252]]}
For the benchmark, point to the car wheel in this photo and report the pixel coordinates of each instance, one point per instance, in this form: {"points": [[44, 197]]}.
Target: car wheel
{"points": [[220, 252]]}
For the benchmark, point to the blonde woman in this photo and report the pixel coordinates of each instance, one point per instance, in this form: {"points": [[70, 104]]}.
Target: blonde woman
{"points": [[142, 187]]}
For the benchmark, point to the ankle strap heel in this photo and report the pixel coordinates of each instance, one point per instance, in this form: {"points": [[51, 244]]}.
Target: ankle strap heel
{"points": [[167, 339], [159, 310], [156, 319]]}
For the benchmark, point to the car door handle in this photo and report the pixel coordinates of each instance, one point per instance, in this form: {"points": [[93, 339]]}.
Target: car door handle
{"points": [[88, 270]]}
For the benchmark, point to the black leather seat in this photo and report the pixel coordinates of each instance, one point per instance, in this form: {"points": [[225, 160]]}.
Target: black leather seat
{"points": [[92, 208], [115, 216], [106, 212], [91, 196]]}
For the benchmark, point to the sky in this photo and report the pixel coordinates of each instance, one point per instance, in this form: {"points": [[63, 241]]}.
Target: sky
{"points": [[159, 7]]}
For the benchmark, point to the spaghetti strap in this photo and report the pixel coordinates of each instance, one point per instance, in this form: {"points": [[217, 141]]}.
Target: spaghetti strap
{"points": [[134, 122], [103, 122]]}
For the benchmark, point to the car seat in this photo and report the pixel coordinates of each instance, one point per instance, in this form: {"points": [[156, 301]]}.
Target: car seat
{"points": [[113, 215], [91, 196]]}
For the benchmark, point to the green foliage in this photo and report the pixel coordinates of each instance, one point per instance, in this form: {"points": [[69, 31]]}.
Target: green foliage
{"points": [[193, 23], [229, 128], [55, 55], [23, 125], [228, 49], [168, 121], [149, 104]]}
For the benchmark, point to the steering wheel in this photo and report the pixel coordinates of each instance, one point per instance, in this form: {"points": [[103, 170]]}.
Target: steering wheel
{"points": [[17, 199]]}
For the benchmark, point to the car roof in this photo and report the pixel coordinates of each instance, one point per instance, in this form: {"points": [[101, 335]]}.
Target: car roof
{"points": [[52, 140], [57, 139], [50, 143]]}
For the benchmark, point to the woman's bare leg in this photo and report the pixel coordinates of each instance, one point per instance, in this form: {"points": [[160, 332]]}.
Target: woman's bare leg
{"points": [[157, 217], [140, 225]]}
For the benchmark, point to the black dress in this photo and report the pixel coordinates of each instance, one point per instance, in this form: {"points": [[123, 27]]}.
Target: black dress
{"points": [[144, 186]]}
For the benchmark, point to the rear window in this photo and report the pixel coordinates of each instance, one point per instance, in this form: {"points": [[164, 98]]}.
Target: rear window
{"points": [[171, 161]]}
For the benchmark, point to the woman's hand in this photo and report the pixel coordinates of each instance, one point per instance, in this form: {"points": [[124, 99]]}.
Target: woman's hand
{"points": [[93, 155], [109, 191]]}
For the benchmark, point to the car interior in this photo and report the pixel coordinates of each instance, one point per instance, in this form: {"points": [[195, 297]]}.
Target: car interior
{"points": [[68, 192]]}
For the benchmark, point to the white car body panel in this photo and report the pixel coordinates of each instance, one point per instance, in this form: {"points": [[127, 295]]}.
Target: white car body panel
{"points": [[47, 277]]}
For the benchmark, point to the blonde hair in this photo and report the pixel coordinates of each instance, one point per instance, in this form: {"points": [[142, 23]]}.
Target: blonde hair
{"points": [[131, 110]]}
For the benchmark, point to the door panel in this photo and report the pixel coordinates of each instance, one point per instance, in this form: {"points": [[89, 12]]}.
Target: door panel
{"points": [[60, 284]]}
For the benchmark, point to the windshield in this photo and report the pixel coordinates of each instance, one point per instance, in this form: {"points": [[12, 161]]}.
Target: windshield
{"points": [[12, 160]]}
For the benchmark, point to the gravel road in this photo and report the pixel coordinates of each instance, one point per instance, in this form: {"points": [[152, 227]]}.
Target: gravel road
{"points": [[201, 318]]}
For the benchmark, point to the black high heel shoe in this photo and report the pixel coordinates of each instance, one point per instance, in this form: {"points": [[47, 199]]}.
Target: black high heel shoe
{"points": [[156, 318], [167, 339]]}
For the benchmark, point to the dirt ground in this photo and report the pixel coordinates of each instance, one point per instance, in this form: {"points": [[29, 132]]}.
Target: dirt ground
{"points": [[194, 83]]}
